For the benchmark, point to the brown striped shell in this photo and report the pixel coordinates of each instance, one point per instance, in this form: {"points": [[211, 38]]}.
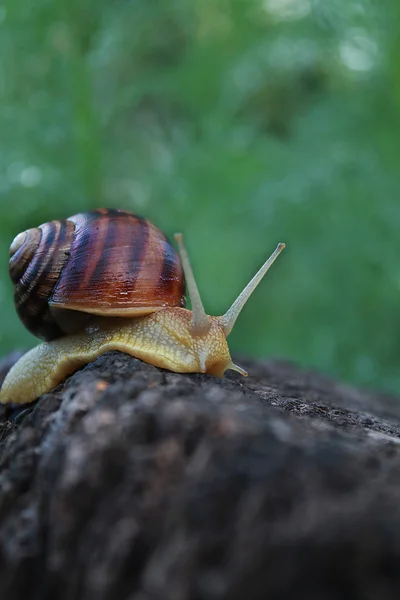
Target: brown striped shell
{"points": [[103, 262]]}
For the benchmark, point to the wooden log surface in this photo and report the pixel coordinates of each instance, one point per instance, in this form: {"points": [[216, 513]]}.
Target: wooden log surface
{"points": [[133, 483]]}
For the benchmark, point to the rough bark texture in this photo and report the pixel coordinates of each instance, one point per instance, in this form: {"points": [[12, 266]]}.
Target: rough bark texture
{"points": [[129, 482]]}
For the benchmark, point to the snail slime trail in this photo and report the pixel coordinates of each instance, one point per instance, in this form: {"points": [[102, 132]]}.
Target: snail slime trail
{"points": [[74, 280]]}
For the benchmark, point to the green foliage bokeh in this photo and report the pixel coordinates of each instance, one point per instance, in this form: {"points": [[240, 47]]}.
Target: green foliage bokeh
{"points": [[241, 123]]}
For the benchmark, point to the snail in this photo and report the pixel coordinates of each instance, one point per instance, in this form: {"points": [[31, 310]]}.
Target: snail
{"points": [[110, 280]]}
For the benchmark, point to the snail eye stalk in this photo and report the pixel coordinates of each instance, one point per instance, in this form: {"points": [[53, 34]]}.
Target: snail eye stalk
{"points": [[201, 322], [228, 320]]}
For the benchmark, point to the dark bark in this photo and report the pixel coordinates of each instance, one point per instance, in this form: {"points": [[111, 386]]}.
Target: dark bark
{"points": [[129, 482]]}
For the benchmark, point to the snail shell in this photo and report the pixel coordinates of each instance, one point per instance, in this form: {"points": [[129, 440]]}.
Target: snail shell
{"points": [[103, 262]]}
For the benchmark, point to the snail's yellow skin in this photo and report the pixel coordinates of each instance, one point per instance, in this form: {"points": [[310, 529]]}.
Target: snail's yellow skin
{"points": [[164, 339]]}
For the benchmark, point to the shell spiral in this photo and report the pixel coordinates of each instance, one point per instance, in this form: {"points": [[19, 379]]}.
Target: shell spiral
{"points": [[103, 262]]}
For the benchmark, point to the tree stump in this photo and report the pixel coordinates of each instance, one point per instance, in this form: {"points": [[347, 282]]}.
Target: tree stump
{"points": [[129, 482]]}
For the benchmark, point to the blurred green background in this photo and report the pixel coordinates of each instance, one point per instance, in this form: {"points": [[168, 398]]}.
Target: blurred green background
{"points": [[241, 123]]}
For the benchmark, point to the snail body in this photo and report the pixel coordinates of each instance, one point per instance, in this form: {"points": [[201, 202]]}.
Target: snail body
{"points": [[110, 280]]}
